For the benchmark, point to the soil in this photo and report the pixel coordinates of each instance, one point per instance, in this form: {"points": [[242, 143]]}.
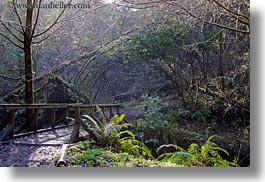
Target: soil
{"points": [[15, 155], [37, 150]]}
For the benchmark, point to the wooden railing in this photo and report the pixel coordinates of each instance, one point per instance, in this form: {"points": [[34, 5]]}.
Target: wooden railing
{"points": [[53, 107]]}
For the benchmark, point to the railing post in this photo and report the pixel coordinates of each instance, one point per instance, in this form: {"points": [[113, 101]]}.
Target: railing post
{"points": [[67, 113], [53, 118], [12, 122], [92, 111], [118, 110], [35, 120], [111, 112], [75, 133]]}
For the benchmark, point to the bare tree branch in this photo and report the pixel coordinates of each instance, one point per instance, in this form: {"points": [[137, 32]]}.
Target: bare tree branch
{"points": [[37, 18], [229, 10], [11, 41], [18, 17], [208, 22], [48, 36], [9, 77], [10, 31], [54, 23]]}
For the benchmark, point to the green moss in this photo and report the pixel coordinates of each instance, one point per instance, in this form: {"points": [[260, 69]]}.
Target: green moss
{"points": [[100, 158], [86, 158], [127, 160], [87, 155]]}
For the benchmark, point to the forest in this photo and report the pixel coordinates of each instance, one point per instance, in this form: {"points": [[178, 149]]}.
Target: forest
{"points": [[125, 83]]}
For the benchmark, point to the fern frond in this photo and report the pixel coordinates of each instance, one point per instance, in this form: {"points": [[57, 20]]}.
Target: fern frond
{"points": [[120, 119], [125, 125], [114, 119], [88, 118], [211, 138], [132, 136], [193, 148], [164, 156], [168, 146], [221, 149]]}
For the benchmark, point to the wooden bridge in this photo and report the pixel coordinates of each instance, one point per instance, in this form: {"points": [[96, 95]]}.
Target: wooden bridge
{"points": [[8, 124]]}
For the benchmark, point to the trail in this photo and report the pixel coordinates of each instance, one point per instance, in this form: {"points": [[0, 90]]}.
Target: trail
{"points": [[36, 150]]}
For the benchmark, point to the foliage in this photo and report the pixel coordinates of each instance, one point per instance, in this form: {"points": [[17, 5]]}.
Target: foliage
{"points": [[118, 55], [84, 154], [208, 155], [114, 135], [155, 124], [127, 160], [88, 155]]}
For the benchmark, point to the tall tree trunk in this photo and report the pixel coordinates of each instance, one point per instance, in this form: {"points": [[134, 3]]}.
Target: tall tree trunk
{"points": [[29, 84], [221, 69]]}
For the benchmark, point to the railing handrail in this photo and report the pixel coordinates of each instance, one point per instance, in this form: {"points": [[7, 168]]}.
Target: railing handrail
{"points": [[76, 107], [54, 105]]}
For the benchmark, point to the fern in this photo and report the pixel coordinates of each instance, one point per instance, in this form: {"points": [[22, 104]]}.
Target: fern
{"points": [[112, 135], [206, 155]]}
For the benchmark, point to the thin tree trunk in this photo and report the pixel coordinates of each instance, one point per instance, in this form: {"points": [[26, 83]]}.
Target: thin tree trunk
{"points": [[221, 70], [29, 77]]}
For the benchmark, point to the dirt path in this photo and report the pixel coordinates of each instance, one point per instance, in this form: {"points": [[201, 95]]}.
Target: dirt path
{"points": [[14, 155], [37, 150]]}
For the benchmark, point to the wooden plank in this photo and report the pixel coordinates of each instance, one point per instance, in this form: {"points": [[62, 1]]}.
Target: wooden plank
{"points": [[58, 105], [99, 105], [54, 105], [32, 106]]}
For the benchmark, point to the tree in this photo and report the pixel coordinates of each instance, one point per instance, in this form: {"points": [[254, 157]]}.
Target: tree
{"points": [[228, 14], [21, 28]]}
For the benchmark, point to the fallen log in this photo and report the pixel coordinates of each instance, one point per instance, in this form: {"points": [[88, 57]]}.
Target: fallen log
{"points": [[62, 162]]}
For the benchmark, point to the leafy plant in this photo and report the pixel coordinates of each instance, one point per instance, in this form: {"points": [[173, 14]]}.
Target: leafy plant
{"points": [[115, 135], [207, 155], [155, 127]]}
